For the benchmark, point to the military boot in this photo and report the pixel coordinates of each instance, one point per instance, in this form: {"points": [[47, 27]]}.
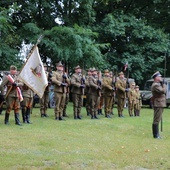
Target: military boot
{"points": [[155, 131], [17, 121], [6, 121], [23, 115], [28, 116]]}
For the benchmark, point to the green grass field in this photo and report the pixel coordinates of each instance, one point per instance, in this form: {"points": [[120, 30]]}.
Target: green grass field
{"points": [[117, 143]]}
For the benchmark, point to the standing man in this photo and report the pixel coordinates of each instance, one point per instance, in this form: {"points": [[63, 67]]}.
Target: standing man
{"points": [[121, 85], [95, 93], [61, 82], [78, 85], [26, 104], [131, 99], [108, 93], [138, 103], [158, 89], [45, 98], [12, 95]]}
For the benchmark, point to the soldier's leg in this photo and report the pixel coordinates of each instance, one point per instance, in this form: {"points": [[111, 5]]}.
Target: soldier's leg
{"points": [[80, 104], [46, 101], [42, 109], [9, 106], [57, 105], [75, 104], [16, 111]]}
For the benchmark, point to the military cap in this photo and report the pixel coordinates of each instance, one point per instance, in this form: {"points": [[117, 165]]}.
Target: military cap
{"points": [[93, 69], [106, 71], [77, 67], [12, 67], [133, 84], [121, 73], [59, 64], [136, 86], [156, 74], [89, 69]]}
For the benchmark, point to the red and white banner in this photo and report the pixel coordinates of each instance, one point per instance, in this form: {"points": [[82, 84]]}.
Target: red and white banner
{"points": [[33, 73], [17, 88]]}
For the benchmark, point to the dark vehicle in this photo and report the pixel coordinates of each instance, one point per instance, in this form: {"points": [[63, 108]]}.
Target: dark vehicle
{"points": [[147, 94]]}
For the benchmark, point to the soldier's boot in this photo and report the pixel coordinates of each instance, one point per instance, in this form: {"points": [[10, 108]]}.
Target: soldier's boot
{"points": [[75, 113], [28, 115], [130, 113], [78, 116], [95, 115], [155, 130], [92, 115], [23, 115], [138, 113], [6, 121], [60, 116], [42, 113], [17, 121], [45, 114], [64, 112], [87, 111]]}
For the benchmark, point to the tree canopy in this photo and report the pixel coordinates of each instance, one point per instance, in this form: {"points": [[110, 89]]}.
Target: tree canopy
{"points": [[91, 33]]}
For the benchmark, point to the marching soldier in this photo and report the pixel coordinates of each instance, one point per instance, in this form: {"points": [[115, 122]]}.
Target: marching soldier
{"points": [[158, 89], [121, 85], [131, 99], [95, 93], [138, 102], [27, 102], [45, 98], [13, 95], [78, 85], [108, 93], [61, 82]]}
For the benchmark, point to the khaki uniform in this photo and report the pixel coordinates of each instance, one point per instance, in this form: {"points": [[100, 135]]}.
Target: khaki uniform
{"points": [[77, 94], [108, 95], [60, 93], [159, 101], [44, 100], [27, 102], [138, 104], [94, 97], [12, 99], [121, 95], [131, 101]]}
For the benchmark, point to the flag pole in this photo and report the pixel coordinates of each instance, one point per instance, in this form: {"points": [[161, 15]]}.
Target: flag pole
{"points": [[31, 51]]}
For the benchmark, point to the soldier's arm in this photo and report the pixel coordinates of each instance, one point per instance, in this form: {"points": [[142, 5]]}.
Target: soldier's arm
{"points": [[160, 89], [118, 86], [74, 81], [92, 84], [106, 84], [54, 79]]}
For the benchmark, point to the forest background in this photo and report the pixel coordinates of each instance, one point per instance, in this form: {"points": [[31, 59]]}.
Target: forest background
{"points": [[91, 33]]}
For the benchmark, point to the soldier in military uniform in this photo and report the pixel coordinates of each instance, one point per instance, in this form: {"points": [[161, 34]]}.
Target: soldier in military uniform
{"points": [[108, 93], [45, 98], [27, 102], [138, 102], [95, 93], [131, 99], [77, 90], [89, 74], [158, 89], [12, 97], [121, 86], [61, 82]]}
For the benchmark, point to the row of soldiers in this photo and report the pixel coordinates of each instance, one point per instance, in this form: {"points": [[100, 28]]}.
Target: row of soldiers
{"points": [[96, 89], [94, 86]]}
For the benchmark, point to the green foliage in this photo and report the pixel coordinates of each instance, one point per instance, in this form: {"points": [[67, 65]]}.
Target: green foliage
{"points": [[102, 33]]}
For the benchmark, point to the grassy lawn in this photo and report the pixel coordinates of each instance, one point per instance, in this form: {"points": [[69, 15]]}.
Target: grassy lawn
{"points": [[117, 143]]}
